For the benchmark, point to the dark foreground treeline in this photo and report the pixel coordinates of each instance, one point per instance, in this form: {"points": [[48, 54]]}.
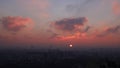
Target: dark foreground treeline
{"points": [[60, 59]]}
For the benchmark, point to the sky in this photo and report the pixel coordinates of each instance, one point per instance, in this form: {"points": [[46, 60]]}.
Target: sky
{"points": [[59, 23]]}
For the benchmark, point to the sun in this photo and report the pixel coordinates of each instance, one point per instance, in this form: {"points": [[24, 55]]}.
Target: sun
{"points": [[70, 45]]}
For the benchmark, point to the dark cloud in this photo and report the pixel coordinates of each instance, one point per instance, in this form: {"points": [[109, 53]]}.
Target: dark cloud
{"points": [[87, 29], [110, 30], [113, 30], [15, 23], [70, 24]]}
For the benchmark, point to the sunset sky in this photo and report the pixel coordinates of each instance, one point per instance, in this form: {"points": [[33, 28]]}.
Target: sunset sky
{"points": [[42, 23]]}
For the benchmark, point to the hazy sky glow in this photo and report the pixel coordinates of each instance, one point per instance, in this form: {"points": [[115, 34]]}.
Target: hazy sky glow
{"points": [[82, 23]]}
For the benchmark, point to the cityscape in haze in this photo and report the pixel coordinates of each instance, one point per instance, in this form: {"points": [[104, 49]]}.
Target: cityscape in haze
{"points": [[60, 33]]}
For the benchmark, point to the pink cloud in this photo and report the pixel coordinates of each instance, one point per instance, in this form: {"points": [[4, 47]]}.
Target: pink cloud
{"points": [[116, 7], [16, 23]]}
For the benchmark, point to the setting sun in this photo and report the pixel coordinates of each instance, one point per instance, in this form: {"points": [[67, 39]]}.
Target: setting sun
{"points": [[60, 33], [71, 45]]}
